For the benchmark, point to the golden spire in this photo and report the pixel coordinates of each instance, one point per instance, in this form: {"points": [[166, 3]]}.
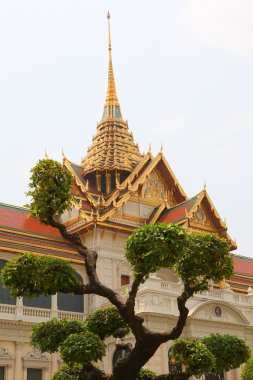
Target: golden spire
{"points": [[113, 147], [111, 98]]}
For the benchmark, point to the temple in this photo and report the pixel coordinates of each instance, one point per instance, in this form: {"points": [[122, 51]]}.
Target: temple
{"points": [[117, 189]]}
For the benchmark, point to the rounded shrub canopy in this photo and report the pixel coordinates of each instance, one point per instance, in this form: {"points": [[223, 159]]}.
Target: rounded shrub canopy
{"points": [[82, 348], [48, 336], [229, 351], [50, 190], [107, 322], [153, 246], [194, 356], [31, 275]]}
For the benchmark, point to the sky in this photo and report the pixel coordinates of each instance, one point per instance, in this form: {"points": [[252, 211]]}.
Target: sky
{"points": [[184, 78]]}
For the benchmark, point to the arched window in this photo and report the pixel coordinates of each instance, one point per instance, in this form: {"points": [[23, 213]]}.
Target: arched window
{"points": [[71, 302], [42, 302], [119, 353], [174, 367], [5, 296]]}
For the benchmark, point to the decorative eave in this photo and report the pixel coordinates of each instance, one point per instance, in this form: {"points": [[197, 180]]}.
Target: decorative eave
{"points": [[68, 164]]}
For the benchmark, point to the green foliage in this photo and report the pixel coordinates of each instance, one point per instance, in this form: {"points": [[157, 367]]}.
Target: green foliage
{"points": [[106, 322], [68, 373], [48, 336], [229, 351], [82, 348], [194, 356], [50, 186], [31, 275], [146, 374], [153, 246], [247, 371], [204, 257]]}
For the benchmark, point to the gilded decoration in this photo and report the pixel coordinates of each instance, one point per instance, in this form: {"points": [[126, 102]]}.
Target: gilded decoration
{"points": [[113, 146], [200, 217], [153, 187]]}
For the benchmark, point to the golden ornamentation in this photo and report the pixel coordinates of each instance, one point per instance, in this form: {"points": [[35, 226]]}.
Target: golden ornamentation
{"points": [[153, 187], [113, 146]]}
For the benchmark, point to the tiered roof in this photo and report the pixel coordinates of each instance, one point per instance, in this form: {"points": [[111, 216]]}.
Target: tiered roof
{"points": [[113, 146]]}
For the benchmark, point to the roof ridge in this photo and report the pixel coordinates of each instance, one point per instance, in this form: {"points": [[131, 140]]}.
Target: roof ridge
{"points": [[23, 208]]}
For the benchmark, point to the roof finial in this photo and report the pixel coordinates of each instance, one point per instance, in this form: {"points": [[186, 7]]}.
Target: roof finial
{"points": [[46, 156], [111, 98], [63, 155]]}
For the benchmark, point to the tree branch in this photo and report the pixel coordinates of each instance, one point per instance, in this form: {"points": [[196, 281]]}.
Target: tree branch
{"points": [[183, 314], [130, 302]]}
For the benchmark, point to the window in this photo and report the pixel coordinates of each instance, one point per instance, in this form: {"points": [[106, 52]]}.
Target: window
{"points": [[125, 280], [34, 374], [41, 302], [5, 296], [71, 302], [2, 373]]}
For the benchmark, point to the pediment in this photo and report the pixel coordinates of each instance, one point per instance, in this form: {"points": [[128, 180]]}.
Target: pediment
{"points": [[202, 218], [218, 312], [36, 355], [5, 354]]}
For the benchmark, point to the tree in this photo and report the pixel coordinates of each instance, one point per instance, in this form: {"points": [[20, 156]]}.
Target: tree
{"points": [[247, 372], [212, 354], [196, 258]]}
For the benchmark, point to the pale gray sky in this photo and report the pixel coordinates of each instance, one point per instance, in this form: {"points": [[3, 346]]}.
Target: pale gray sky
{"points": [[184, 78]]}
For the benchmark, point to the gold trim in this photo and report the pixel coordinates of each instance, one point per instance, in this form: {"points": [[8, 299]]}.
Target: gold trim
{"points": [[37, 245], [56, 239], [40, 254]]}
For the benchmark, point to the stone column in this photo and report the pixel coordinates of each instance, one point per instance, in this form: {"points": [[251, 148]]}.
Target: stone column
{"points": [[18, 372], [19, 309], [54, 307], [54, 363]]}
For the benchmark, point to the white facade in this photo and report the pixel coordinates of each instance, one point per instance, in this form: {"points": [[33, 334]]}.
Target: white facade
{"points": [[217, 310]]}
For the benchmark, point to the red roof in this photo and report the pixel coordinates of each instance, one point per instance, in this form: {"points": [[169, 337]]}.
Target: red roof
{"points": [[21, 233], [15, 217], [178, 212], [243, 265]]}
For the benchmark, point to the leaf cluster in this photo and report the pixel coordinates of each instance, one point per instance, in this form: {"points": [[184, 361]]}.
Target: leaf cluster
{"points": [[247, 371], [50, 190], [194, 356], [68, 373], [48, 336], [153, 246], [195, 257], [214, 353], [204, 257], [79, 342], [229, 351], [82, 348], [31, 275], [146, 374], [107, 322]]}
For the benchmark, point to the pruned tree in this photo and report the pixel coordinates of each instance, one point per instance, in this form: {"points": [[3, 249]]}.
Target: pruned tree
{"points": [[212, 354], [196, 258]]}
